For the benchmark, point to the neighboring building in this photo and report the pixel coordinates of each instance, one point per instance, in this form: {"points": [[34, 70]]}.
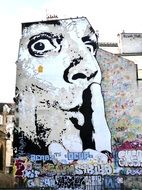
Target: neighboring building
{"points": [[6, 136], [129, 46], [109, 46], [130, 43]]}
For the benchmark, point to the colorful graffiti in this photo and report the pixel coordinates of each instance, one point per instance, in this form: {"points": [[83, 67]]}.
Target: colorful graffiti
{"points": [[77, 115]]}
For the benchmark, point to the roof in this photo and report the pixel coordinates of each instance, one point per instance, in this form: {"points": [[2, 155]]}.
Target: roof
{"points": [[10, 105], [108, 44], [51, 21]]}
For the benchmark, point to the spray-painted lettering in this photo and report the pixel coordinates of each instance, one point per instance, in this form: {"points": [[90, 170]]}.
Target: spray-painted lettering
{"points": [[93, 170], [130, 158]]}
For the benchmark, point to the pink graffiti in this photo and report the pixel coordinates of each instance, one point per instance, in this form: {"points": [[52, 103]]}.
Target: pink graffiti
{"points": [[136, 145], [19, 168]]}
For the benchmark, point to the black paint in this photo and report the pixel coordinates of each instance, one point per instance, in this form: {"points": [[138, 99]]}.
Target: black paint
{"points": [[78, 76], [74, 62], [37, 48], [52, 22], [87, 130]]}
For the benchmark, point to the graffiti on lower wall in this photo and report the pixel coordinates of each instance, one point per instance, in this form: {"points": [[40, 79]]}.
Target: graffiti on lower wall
{"points": [[65, 176], [76, 109]]}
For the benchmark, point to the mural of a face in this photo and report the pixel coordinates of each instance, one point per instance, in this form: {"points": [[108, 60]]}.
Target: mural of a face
{"points": [[60, 108]]}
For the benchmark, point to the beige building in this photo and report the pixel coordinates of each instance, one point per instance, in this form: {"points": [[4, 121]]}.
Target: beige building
{"points": [[129, 46], [6, 136]]}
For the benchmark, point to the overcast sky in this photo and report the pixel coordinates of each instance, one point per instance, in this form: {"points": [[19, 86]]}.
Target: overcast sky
{"points": [[109, 17]]}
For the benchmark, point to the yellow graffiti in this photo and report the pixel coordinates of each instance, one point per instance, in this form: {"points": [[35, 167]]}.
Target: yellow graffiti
{"points": [[40, 69], [58, 168]]}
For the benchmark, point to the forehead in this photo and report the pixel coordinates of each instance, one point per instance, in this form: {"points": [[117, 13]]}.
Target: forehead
{"points": [[77, 27]]}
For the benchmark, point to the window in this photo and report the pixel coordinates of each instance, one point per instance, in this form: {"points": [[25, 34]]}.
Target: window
{"points": [[139, 74], [1, 156], [1, 119], [9, 119]]}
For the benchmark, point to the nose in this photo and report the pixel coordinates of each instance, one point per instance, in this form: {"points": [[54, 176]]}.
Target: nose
{"points": [[78, 69]]}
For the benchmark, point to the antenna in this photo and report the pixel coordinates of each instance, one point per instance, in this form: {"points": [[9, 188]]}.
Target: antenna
{"points": [[46, 13], [50, 16]]}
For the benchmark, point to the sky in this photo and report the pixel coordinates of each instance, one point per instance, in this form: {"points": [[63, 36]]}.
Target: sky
{"points": [[109, 17]]}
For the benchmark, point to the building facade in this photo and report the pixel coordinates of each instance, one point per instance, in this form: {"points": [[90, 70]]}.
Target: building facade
{"points": [[6, 136], [129, 46], [78, 110]]}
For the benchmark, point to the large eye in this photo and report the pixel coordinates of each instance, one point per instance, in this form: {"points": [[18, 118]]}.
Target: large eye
{"points": [[42, 46], [39, 46], [42, 43]]}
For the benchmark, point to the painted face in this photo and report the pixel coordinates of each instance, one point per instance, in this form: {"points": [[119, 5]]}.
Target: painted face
{"points": [[57, 72], [59, 59]]}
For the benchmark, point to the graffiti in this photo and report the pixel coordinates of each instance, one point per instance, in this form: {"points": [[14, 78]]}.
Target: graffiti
{"points": [[24, 169], [67, 182], [70, 156], [93, 170], [29, 170], [132, 182], [41, 157], [31, 173], [130, 158], [132, 171], [19, 167], [78, 155], [131, 145], [22, 144], [139, 136], [41, 182], [69, 96], [113, 182], [59, 168]]}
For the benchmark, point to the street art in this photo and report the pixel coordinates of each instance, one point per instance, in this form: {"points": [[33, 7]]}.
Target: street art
{"points": [[60, 108], [76, 117]]}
